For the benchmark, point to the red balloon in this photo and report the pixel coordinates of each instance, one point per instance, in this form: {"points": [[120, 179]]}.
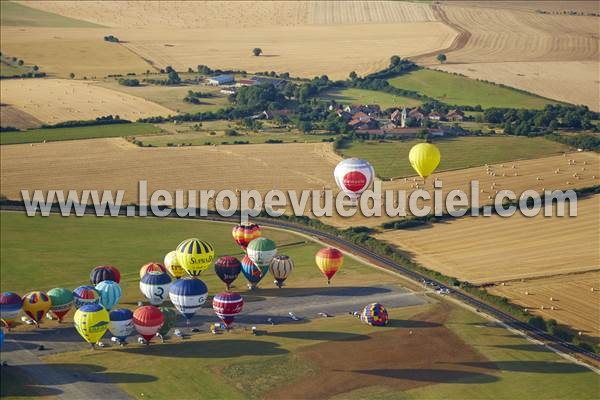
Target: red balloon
{"points": [[152, 267], [227, 305], [147, 321]]}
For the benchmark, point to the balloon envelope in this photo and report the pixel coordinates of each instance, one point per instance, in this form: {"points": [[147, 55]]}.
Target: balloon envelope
{"points": [[252, 272], [155, 286], [172, 265], [105, 273], [261, 251], [227, 305], [10, 306], [110, 294], [62, 301], [188, 295], [245, 233], [152, 267], [121, 323], [281, 267], [227, 269], [375, 314], [195, 256], [91, 321], [147, 321], [170, 319], [353, 176], [329, 260], [85, 295], [36, 305], [424, 158]]}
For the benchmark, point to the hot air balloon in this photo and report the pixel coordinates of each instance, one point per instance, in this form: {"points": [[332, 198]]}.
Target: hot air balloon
{"points": [[261, 251], [195, 256], [424, 158], [329, 260], [10, 306], [36, 305], [353, 176], [187, 295], [152, 267], [172, 265], [62, 301], [252, 272], [105, 273], [281, 267], [245, 233], [85, 295], [1, 337], [170, 318], [91, 321], [110, 294], [227, 305], [147, 321], [121, 324], [155, 286], [227, 269], [375, 314]]}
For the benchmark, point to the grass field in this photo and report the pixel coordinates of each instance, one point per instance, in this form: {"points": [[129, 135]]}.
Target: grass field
{"points": [[84, 132], [14, 14], [437, 348], [58, 100], [573, 300], [459, 90], [389, 158], [361, 96], [468, 248]]}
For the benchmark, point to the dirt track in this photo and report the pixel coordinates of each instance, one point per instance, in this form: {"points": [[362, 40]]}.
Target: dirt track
{"points": [[403, 359]]}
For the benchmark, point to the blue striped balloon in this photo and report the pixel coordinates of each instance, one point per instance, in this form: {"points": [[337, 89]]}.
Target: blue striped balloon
{"points": [[281, 267], [155, 286], [110, 293], [121, 323], [187, 295]]}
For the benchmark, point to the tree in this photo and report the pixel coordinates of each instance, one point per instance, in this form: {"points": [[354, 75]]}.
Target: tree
{"points": [[71, 75], [21, 62], [395, 60], [441, 58], [353, 76], [173, 78], [257, 51], [36, 68]]}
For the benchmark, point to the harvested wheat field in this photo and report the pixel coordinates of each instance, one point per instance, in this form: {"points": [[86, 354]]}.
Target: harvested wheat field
{"points": [[116, 164], [549, 6], [60, 51], [571, 81], [574, 302], [11, 116], [491, 249], [223, 34], [57, 100]]}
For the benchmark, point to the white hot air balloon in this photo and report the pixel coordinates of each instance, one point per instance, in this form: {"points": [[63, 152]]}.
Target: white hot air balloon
{"points": [[353, 176]]}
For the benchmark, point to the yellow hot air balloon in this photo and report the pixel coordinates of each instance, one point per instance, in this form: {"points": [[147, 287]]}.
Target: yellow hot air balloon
{"points": [[424, 158], [329, 260], [173, 266], [195, 255], [36, 305], [91, 321]]}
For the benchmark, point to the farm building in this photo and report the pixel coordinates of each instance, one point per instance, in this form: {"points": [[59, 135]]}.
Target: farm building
{"points": [[220, 80], [455, 115]]}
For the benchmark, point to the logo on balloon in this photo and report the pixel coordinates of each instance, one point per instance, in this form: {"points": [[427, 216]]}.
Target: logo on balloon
{"points": [[355, 181]]}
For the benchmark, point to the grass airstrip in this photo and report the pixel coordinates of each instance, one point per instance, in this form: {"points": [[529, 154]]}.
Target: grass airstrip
{"points": [[435, 350]]}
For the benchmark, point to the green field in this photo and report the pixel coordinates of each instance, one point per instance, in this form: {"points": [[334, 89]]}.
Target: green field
{"points": [[7, 70], [389, 158], [362, 96], [14, 14], [39, 253], [82, 132], [463, 91]]}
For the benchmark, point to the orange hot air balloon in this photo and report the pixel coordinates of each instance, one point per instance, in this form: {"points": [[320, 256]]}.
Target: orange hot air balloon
{"points": [[245, 233], [329, 260], [152, 267]]}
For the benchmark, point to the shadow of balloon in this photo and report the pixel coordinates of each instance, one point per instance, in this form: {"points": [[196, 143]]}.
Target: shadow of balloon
{"points": [[67, 333], [346, 291], [320, 335], [412, 324], [432, 375], [210, 349], [540, 367]]}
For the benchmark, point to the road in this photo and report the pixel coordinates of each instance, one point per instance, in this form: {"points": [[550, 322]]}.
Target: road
{"points": [[384, 262]]}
